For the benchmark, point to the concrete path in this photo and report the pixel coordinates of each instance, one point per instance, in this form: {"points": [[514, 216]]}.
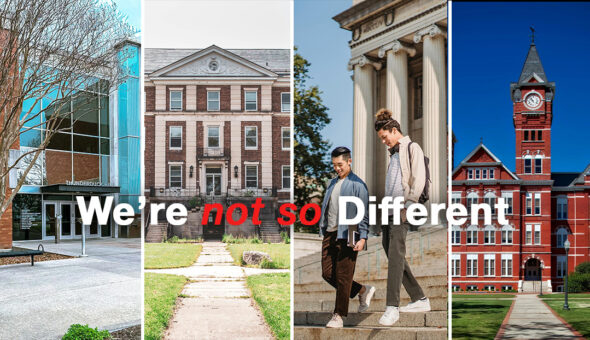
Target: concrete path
{"points": [[102, 290], [532, 319], [217, 303]]}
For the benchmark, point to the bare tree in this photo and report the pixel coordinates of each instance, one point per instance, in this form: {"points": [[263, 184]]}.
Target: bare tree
{"points": [[49, 51]]}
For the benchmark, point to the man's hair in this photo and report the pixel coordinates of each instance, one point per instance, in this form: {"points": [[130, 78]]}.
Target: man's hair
{"points": [[384, 121], [341, 151]]}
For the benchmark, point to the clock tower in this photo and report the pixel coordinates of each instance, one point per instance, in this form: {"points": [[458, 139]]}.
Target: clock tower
{"points": [[532, 98]]}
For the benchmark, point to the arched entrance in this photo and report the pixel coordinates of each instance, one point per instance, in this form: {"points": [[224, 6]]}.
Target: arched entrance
{"points": [[532, 270]]}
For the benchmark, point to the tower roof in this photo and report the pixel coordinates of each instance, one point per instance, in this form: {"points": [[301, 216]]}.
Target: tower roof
{"points": [[532, 67]]}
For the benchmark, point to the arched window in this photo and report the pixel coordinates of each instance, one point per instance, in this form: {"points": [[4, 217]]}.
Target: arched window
{"points": [[489, 235], [507, 231], [490, 199], [471, 199], [528, 164], [561, 236], [472, 234], [538, 164]]}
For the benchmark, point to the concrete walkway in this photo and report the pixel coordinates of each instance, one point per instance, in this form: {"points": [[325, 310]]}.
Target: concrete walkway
{"points": [[102, 290], [532, 319], [217, 303]]}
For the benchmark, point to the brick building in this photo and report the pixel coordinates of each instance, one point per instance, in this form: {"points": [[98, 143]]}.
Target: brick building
{"points": [[217, 128], [545, 208]]}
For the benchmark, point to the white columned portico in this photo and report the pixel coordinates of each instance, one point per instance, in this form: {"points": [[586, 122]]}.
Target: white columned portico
{"points": [[434, 108], [363, 163]]}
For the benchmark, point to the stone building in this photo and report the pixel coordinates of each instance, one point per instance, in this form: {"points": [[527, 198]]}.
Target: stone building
{"points": [[217, 127], [545, 208], [398, 58]]}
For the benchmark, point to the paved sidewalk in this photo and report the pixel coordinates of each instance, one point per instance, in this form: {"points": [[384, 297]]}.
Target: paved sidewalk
{"points": [[102, 290], [217, 303], [532, 319]]}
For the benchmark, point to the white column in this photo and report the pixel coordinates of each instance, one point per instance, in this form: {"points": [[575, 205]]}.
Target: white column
{"points": [[160, 97], [363, 120], [236, 152], [160, 148], [191, 98], [434, 120], [266, 147], [191, 152]]}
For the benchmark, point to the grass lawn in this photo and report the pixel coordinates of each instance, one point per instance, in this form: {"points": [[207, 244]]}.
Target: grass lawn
{"points": [[481, 318], [161, 292], [272, 293], [280, 253], [579, 312], [170, 255]]}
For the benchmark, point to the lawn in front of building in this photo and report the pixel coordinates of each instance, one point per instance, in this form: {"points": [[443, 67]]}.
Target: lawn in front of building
{"points": [[479, 316], [579, 312], [272, 294], [161, 292], [170, 255], [280, 253]]}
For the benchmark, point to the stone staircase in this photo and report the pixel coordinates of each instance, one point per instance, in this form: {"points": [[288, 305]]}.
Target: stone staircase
{"points": [[269, 232], [426, 252], [156, 233], [535, 287]]}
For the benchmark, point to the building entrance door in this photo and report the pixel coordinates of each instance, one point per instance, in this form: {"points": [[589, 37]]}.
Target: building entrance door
{"points": [[532, 270], [58, 216], [213, 178]]}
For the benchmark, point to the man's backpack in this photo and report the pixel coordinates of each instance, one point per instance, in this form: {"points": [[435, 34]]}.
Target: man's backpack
{"points": [[424, 196]]}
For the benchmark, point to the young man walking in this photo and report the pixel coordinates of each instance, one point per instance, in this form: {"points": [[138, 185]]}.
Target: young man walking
{"points": [[406, 176], [338, 258]]}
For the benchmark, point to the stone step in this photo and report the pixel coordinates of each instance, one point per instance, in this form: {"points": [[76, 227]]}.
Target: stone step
{"points": [[378, 280], [374, 333], [216, 289], [377, 305], [427, 319], [327, 292]]}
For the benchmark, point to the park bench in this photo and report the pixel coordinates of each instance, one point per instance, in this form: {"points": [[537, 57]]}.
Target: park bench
{"points": [[25, 252]]}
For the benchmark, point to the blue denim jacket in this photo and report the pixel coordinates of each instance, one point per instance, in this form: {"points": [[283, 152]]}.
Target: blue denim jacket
{"points": [[352, 186]]}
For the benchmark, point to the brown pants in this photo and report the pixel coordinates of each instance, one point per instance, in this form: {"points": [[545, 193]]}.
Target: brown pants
{"points": [[338, 262]]}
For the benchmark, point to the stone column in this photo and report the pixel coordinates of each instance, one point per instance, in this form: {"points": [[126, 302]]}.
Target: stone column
{"points": [[363, 119], [434, 120]]}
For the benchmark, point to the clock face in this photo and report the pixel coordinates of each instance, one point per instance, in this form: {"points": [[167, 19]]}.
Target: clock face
{"points": [[532, 101]]}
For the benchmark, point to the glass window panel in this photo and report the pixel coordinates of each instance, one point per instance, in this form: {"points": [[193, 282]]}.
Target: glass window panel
{"points": [[31, 138], [105, 170], [175, 100], [57, 115], [251, 176], [251, 137], [60, 141], [58, 167], [86, 167], [104, 116], [285, 102], [213, 136], [26, 217], [105, 146], [286, 138], [33, 118], [85, 113], [85, 144], [286, 177], [251, 100]]}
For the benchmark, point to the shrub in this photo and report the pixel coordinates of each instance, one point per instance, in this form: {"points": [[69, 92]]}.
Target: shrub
{"points": [[173, 239], [285, 237], [195, 202], [579, 282], [79, 332], [583, 268]]}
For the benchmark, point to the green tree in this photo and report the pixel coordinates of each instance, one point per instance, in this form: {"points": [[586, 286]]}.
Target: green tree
{"points": [[311, 165]]}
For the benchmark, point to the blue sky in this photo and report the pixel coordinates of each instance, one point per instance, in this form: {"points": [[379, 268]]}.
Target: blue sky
{"points": [[490, 44], [132, 9], [324, 44]]}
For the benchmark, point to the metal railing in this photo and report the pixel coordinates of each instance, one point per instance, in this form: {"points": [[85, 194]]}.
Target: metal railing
{"points": [[213, 152]]}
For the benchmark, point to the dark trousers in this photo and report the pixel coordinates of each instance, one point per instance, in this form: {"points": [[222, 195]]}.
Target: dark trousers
{"points": [[398, 270], [338, 262]]}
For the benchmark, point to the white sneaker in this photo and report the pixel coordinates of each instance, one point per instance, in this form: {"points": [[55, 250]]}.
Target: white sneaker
{"points": [[390, 316], [416, 306], [335, 322], [365, 298]]}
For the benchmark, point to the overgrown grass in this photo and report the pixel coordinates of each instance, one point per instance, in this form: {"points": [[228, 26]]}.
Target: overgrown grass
{"points": [[170, 255], [478, 318], [280, 254], [161, 292], [176, 239], [272, 293], [579, 312], [240, 240]]}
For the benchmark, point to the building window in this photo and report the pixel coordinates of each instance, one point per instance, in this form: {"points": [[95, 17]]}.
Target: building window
{"points": [[489, 265], [490, 199], [175, 137], [537, 203], [529, 234], [456, 235], [456, 265], [469, 173], [489, 235], [175, 176], [212, 100], [456, 198], [561, 270], [251, 135], [471, 264], [175, 100], [506, 264], [562, 208], [526, 135], [471, 199], [286, 138], [492, 175], [538, 165], [529, 203], [507, 232], [477, 173], [537, 234], [527, 165], [213, 136], [286, 174], [484, 174], [251, 176], [285, 102], [561, 236], [251, 100], [540, 135], [507, 196], [472, 234]]}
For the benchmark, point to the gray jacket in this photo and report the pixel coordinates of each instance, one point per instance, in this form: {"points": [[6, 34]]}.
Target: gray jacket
{"points": [[352, 186]]}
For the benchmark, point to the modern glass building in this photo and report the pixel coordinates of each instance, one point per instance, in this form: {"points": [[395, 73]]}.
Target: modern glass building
{"points": [[95, 153]]}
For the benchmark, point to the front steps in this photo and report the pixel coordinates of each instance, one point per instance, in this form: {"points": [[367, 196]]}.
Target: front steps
{"points": [[156, 233], [269, 232]]}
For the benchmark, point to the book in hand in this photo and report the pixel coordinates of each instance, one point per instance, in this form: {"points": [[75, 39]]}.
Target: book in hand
{"points": [[354, 236]]}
